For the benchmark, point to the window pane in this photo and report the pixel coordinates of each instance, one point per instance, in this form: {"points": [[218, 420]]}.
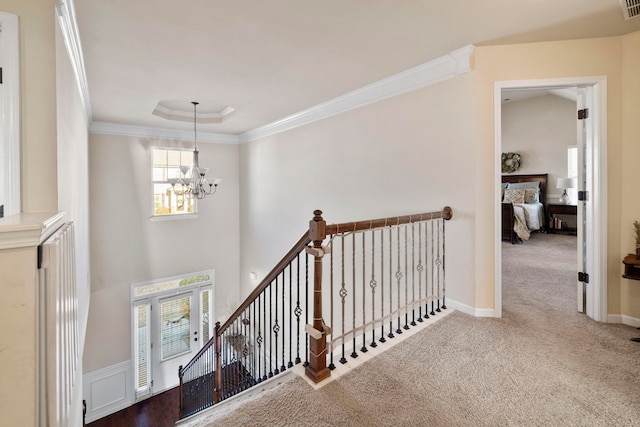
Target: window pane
{"points": [[186, 158], [176, 327], [174, 158], [166, 285], [206, 325], [159, 157], [159, 174], [142, 345]]}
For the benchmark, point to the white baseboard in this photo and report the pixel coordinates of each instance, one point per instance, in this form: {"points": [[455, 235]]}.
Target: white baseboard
{"points": [[108, 390], [475, 312], [624, 319]]}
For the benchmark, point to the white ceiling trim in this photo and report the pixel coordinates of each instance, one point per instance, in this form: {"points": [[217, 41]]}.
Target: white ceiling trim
{"points": [[71, 36], [445, 67], [105, 128]]}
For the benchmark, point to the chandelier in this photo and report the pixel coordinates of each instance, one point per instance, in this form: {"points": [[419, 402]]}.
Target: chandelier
{"points": [[192, 182]]}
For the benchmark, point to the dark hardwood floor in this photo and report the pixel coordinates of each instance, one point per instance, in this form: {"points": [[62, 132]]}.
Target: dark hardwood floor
{"points": [[157, 411]]}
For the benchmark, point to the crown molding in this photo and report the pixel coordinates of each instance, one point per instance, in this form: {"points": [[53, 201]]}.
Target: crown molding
{"points": [[69, 29], [445, 67], [105, 128]]}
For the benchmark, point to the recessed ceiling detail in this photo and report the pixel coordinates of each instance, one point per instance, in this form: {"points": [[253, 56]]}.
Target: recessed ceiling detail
{"points": [[182, 111]]}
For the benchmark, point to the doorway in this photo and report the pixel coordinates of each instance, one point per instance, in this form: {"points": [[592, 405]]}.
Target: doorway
{"points": [[171, 322], [591, 216]]}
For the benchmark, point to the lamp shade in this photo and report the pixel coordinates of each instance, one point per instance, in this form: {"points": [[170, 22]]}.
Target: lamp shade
{"points": [[564, 183]]}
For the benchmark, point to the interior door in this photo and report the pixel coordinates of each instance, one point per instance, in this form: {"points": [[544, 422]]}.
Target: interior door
{"points": [[175, 336], [584, 297]]}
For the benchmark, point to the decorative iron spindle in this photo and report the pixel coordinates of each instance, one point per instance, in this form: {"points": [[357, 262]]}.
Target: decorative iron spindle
{"points": [[413, 274], [444, 294], [298, 310], [382, 338], [354, 354], [343, 295], [398, 279], [331, 366], [372, 285], [364, 294]]}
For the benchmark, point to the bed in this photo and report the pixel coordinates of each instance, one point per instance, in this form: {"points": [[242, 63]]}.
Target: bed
{"points": [[519, 219]]}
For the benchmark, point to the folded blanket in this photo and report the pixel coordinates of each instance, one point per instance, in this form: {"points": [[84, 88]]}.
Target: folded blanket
{"points": [[521, 220]]}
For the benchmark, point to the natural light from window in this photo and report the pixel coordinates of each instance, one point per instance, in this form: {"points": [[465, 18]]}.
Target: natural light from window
{"points": [[166, 165]]}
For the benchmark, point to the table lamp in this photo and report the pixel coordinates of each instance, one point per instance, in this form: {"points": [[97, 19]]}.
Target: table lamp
{"points": [[564, 183]]}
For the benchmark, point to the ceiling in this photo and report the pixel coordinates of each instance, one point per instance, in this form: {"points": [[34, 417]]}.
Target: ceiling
{"points": [[271, 59]]}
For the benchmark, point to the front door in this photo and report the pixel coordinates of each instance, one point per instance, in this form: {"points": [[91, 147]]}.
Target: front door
{"points": [[175, 340]]}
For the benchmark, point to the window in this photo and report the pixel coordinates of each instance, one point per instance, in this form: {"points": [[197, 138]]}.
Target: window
{"points": [[166, 165]]}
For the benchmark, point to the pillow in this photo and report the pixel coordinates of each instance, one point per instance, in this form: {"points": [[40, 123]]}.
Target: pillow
{"points": [[531, 195], [513, 195], [529, 184]]}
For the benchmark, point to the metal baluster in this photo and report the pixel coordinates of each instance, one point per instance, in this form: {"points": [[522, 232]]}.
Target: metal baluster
{"points": [[353, 297], [264, 333], [290, 364], [426, 266], [406, 278], [382, 338], [343, 294], [439, 264], [390, 334], [398, 279], [271, 337], [332, 366], [420, 268], [433, 294], [373, 285], [413, 274], [306, 308], [282, 366], [259, 338], [253, 337], [298, 311], [364, 293], [444, 294]]}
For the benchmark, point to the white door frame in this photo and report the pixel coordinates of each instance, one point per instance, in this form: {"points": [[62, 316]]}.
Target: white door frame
{"points": [[597, 199]]}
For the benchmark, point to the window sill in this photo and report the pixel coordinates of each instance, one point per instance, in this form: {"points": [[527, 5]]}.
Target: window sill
{"points": [[173, 217]]}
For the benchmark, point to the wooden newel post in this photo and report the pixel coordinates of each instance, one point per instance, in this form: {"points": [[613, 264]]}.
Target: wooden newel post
{"points": [[317, 369], [217, 393], [180, 375]]}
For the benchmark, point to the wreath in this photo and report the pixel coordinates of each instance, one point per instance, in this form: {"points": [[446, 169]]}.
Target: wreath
{"points": [[510, 162]]}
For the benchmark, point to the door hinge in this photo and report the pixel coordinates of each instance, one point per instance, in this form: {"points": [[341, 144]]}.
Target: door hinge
{"points": [[583, 196], [151, 346], [0, 75], [583, 277], [583, 114]]}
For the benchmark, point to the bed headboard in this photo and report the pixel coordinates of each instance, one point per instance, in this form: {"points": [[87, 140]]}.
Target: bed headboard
{"points": [[542, 178]]}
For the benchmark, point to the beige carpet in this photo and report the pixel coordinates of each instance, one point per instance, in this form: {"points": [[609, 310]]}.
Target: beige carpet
{"points": [[542, 364]]}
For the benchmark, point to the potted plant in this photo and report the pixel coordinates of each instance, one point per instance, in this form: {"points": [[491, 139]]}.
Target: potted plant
{"points": [[636, 226]]}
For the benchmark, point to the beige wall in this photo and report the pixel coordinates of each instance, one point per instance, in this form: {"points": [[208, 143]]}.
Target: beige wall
{"points": [[127, 247], [408, 154], [38, 101], [630, 165], [591, 57]]}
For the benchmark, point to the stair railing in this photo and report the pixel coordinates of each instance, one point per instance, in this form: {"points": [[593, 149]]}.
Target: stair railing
{"points": [[402, 257], [383, 276], [262, 338]]}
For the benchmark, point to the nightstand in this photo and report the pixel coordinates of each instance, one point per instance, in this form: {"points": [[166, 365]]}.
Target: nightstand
{"points": [[555, 225]]}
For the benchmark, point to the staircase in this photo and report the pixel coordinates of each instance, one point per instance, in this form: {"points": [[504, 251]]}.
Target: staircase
{"points": [[377, 278]]}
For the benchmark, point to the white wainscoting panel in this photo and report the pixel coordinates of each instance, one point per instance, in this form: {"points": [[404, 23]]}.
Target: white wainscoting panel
{"points": [[108, 390]]}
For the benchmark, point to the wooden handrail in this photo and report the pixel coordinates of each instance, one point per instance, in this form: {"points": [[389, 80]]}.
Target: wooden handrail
{"points": [[285, 261], [350, 227]]}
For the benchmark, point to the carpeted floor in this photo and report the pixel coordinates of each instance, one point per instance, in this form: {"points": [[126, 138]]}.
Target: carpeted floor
{"points": [[542, 364]]}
